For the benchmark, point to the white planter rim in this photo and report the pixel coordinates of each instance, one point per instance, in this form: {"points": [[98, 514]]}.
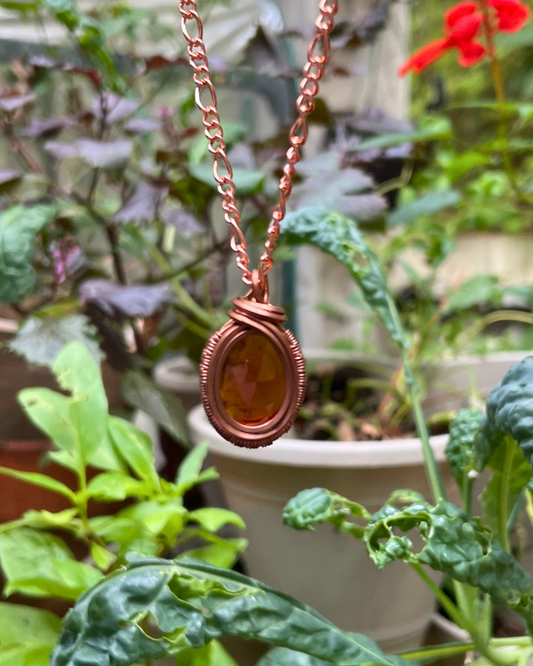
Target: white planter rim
{"points": [[304, 453], [178, 374]]}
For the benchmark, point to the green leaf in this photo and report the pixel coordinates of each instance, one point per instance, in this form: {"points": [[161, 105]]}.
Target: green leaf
{"points": [[27, 635], [190, 471], [39, 340], [50, 412], [340, 237], [223, 553], [135, 447], [284, 657], [45, 520], [166, 518], [436, 129], [39, 564], [40, 480], [164, 407], [214, 519], [116, 487], [233, 133], [428, 204], [460, 449], [18, 228], [318, 506], [246, 181], [461, 548], [102, 557], [126, 533], [481, 289], [22, 6], [511, 473], [77, 372], [212, 654], [461, 164], [509, 413], [193, 604]]}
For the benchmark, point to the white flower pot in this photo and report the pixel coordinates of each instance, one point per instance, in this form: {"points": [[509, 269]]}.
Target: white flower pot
{"points": [[327, 570], [179, 375]]}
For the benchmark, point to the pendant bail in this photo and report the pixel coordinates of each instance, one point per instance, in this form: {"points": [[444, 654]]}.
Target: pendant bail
{"points": [[260, 289]]}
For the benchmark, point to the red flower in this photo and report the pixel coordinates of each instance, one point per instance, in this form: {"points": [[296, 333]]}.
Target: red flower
{"points": [[462, 24]]}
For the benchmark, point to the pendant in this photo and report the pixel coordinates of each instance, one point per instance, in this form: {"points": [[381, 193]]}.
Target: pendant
{"points": [[252, 374]]}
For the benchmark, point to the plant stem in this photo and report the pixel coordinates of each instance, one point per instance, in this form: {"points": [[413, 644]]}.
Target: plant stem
{"points": [[494, 318]]}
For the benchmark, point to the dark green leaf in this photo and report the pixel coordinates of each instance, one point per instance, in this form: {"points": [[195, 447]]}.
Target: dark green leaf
{"points": [[341, 237], [212, 654], [460, 449], [193, 604], [18, 228], [27, 635], [428, 204], [164, 407], [41, 340], [509, 413], [438, 128], [461, 548], [317, 506]]}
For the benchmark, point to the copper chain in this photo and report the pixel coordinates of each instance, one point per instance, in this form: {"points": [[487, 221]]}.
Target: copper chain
{"points": [[317, 58]]}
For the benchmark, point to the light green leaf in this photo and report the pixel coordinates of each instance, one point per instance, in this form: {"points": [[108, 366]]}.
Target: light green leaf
{"points": [[193, 604], [437, 128], [39, 564], [164, 407], [116, 487], [135, 447], [27, 635], [222, 553], [77, 372], [284, 657], [511, 473], [213, 519], [40, 340], [212, 654], [190, 472], [160, 518], [45, 520], [128, 534], [461, 164], [480, 289], [460, 449], [428, 204], [340, 237], [40, 480], [18, 227], [246, 181], [509, 413], [317, 506], [50, 412], [102, 557]]}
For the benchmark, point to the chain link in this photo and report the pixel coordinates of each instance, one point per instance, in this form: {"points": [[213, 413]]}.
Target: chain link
{"points": [[206, 100]]}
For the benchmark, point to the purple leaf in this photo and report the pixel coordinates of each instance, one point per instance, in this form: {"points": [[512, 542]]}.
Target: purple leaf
{"points": [[16, 102], [160, 62], [42, 62], [9, 176], [61, 150], [113, 108], [142, 205], [141, 126], [182, 220], [104, 154], [119, 302], [48, 128]]}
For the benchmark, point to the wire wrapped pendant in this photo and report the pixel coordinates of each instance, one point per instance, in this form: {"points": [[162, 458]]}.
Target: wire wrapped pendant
{"points": [[252, 375]]}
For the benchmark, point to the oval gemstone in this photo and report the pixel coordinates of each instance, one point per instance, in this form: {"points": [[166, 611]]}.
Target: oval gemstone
{"points": [[253, 383]]}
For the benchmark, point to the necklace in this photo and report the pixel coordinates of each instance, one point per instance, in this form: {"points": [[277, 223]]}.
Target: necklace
{"points": [[252, 374]]}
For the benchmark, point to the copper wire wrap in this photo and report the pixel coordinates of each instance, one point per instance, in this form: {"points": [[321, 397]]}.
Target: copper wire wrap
{"points": [[317, 57]]}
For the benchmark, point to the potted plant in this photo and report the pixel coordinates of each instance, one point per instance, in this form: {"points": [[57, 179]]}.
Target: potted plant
{"points": [[113, 502], [191, 604]]}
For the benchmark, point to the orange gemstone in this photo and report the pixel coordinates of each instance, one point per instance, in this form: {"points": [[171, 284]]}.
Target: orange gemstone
{"points": [[253, 383]]}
